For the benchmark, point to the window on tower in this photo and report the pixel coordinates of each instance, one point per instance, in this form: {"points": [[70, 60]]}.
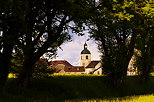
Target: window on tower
{"points": [[86, 57]]}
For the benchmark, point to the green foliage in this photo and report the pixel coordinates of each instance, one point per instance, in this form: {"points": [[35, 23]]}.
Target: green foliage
{"points": [[144, 44], [16, 66], [144, 55], [144, 65], [41, 70], [123, 10], [116, 40], [16, 61]]}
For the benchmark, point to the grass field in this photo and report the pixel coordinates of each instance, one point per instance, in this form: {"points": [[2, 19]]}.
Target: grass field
{"points": [[137, 98], [78, 89]]}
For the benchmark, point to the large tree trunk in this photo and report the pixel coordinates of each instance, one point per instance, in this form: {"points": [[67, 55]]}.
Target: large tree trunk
{"points": [[121, 67], [27, 71], [125, 56], [117, 68], [118, 78], [146, 59], [5, 59], [146, 67]]}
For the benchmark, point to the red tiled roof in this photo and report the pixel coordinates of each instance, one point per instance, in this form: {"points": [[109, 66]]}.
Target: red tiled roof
{"points": [[68, 67], [60, 62], [92, 64], [42, 60]]}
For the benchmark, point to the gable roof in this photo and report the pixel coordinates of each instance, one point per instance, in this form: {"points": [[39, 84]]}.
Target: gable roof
{"points": [[67, 66], [92, 64]]}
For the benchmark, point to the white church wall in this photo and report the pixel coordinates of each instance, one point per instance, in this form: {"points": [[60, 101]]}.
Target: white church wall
{"points": [[88, 70], [99, 71]]}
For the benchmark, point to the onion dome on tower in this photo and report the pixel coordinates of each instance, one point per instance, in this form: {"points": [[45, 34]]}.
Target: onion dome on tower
{"points": [[85, 50]]}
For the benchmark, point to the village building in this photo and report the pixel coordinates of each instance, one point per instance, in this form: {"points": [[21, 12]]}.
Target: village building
{"points": [[63, 66], [87, 66]]}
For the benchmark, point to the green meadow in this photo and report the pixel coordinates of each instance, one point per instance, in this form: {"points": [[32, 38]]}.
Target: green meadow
{"points": [[75, 88]]}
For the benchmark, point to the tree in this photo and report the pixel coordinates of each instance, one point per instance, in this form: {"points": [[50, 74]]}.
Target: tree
{"points": [[42, 69], [144, 60], [36, 27], [115, 29], [11, 14], [145, 38], [116, 41], [47, 24]]}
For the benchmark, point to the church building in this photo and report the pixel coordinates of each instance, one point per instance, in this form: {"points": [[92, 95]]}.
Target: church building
{"points": [[87, 65], [93, 67]]}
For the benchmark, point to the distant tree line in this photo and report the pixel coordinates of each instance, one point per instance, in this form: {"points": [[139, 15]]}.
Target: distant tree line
{"points": [[31, 28]]}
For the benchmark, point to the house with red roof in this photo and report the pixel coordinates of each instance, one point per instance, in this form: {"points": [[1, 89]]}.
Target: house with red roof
{"points": [[63, 66]]}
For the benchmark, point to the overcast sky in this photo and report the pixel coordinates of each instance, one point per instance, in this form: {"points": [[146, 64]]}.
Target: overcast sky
{"points": [[71, 50]]}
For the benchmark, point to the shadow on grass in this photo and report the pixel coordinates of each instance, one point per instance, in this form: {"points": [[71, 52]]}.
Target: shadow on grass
{"points": [[61, 88]]}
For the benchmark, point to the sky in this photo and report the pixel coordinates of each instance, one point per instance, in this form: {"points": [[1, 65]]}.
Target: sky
{"points": [[71, 50]]}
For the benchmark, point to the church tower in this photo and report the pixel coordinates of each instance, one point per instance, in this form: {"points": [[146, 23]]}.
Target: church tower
{"points": [[85, 56]]}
